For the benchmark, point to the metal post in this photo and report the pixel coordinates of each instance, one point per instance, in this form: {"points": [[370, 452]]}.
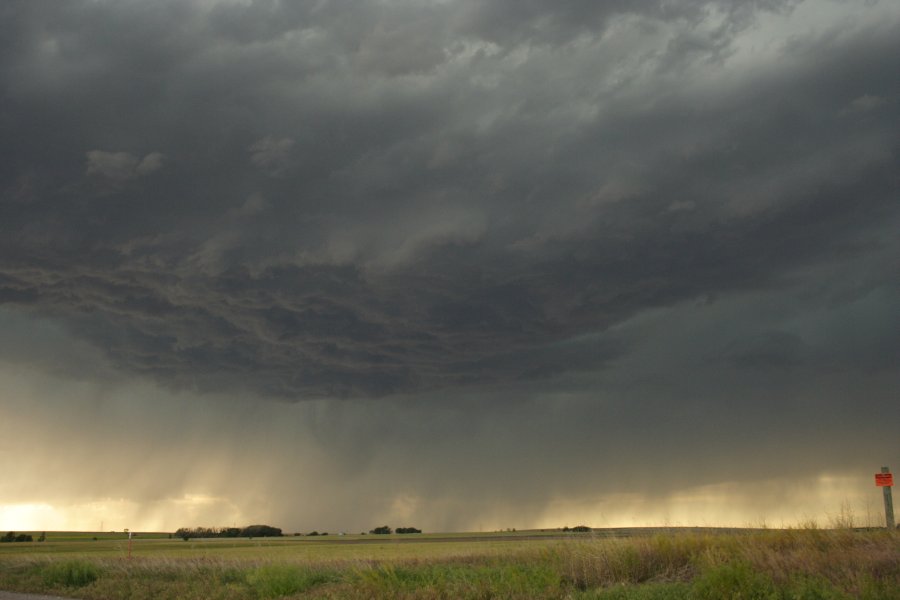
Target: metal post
{"points": [[888, 502]]}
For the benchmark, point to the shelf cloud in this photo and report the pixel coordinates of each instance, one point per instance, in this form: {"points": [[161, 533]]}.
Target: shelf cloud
{"points": [[493, 241]]}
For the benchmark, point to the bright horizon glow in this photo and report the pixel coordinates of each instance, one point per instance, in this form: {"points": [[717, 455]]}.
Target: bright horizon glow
{"points": [[827, 501]]}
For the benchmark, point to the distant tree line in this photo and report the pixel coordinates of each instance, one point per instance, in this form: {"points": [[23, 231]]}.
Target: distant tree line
{"points": [[385, 530], [12, 537], [577, 528], [250, 531]]}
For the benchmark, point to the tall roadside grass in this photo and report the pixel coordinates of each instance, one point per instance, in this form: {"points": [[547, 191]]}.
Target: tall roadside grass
{"points": [[777, 564], [767, 565], [280, 580], [70, 573]]}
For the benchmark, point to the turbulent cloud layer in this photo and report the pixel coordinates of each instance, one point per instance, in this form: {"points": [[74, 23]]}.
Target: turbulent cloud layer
{"points": [[629, 215]]}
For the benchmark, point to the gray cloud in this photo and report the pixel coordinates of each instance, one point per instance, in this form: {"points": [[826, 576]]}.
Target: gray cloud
{"points": [[510, 191], [271, 154], [652, 219], [121, 166]]}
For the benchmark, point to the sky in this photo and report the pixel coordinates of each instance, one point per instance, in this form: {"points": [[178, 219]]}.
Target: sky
{"points": [[450, 264]]}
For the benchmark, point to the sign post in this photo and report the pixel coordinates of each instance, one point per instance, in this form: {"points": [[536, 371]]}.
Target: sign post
{"points": [[885, 480]]}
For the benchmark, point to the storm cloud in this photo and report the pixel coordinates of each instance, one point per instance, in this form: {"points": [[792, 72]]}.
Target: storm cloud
{"points": [[657, 217]]}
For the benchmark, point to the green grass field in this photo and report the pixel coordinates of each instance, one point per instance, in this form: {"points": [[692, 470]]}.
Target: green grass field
{"points": [[768, 564]]}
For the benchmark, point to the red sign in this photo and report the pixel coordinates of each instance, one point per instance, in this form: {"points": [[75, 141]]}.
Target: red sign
{"points": [[884, 479]]}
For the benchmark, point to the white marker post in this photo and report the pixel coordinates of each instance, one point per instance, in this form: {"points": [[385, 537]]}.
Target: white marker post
{"points": [[885, 480], [129, 543]]}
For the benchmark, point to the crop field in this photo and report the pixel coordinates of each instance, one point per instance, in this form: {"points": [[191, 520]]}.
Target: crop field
{"points": [[652, 564]]}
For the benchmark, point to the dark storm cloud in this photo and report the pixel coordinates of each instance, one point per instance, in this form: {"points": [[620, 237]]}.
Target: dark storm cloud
{"points": [[315, 199]]}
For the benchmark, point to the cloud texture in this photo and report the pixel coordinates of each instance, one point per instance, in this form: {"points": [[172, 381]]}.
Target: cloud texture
{"points": [[521, 222]]}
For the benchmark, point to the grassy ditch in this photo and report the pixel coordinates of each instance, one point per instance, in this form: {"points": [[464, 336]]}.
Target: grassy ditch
{"points": [[776, 565]]}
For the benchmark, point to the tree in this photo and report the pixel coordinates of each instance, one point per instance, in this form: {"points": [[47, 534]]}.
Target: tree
{"points": [[408, 530], [383, 530], [260, 531], [250, 531]]}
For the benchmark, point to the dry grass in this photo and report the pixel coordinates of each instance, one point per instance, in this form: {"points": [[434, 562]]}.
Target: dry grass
{"points": [[774, 564], [849, 562]]}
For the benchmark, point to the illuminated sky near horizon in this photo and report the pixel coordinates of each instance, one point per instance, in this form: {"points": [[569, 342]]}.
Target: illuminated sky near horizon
{"points": [[450, 264]]}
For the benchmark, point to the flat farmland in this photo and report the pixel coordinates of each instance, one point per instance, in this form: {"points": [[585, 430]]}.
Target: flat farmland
{"points": [[604, 564], [356, 547], [350, 546]]}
